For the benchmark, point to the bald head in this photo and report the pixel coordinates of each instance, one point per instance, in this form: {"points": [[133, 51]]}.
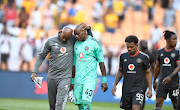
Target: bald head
{"points": [[67, 31], [65, 34], [143, 45]]}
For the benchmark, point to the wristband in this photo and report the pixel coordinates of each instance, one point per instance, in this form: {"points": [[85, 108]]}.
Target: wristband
{"points": [[104, 79], [72, 80], [171, 75]]}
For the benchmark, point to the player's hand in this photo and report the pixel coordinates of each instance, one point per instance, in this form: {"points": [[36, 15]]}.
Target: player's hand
{"points": [[71, 87], [104, 87], [84, 26], [149, 93], [114, 90], [166, 80], [33, 76], [155, 85]]}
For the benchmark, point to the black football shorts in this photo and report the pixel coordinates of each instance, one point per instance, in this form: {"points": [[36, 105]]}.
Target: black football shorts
{"points": [[134, 99], [162, 92]]}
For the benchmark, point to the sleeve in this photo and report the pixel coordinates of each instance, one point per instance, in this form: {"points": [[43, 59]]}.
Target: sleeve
{"points": [[146, 62], [178, 57], [99, 53], [42, 55], [158, 57], [120, 62], [89, 32]]}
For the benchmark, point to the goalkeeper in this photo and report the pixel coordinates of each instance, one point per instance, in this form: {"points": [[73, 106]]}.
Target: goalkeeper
{"points": [[87, 52]]}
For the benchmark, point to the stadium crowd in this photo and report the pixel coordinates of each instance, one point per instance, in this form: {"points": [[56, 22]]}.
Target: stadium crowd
{"points": [[25, 25]]}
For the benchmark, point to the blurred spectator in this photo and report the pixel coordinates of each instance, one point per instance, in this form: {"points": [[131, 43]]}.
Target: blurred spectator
{"points": [[176, 5], [36, 19], [23, 18], [79, 17], [18, 4], [169, 17], [15, 45], [98, 26], [10, 14], [1, 27], [118, 8], [40, 33], [138, 5], [28, 5], [156, 34], [72, 13], [1, 13], [97, 10], [63, 18], [48, 19], [149, 4], [111, 21], [27, 51], [5, 48]]}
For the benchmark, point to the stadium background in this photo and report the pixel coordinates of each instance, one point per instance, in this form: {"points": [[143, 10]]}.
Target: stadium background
{"points": [[26, 24]]}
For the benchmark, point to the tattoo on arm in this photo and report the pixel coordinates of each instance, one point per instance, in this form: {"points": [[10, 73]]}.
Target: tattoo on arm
{"points": [[118, 77]]}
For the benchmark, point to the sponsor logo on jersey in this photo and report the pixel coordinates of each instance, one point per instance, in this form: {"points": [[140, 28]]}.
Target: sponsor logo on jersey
{"points": [[166, 62], [81, 55], [63, 49], [173, 55], [86, 48], [131, 67], [125, 60], [139, 60]]}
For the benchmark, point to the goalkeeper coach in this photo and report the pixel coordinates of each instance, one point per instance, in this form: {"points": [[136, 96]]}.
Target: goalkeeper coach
{"points": [[59, 75]]}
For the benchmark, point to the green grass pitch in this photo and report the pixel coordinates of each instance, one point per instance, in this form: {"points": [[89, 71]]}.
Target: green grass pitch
{"points": [[33, 104]]}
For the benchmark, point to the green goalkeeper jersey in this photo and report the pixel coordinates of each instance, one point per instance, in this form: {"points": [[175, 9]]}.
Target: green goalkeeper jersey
{"points": [[86, 55]]}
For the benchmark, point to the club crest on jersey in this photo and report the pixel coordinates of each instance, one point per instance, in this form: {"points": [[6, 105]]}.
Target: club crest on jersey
{"points": [[139, 60], [173, 55], [166, 62], [86, 48], [63, 49], [131, 67], [81, 55]]}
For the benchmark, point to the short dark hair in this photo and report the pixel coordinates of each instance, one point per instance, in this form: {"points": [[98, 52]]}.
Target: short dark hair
{"points": [[131, 38], [168, 34]]}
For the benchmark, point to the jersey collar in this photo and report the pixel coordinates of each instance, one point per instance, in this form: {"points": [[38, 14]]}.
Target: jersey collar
{"points": [[134, 54], [168, 50]]}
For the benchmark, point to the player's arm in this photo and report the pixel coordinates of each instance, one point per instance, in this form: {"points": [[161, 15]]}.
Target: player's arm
{"points": [[88, 28], [42, 55], [175, 72], [149, 82], [118, 75], [117, 79], [72, 79], [156, 73], [104, 79]]}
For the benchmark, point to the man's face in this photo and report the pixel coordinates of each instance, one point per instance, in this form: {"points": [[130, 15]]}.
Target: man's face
{"points": [[64, 37], [79, 33], [173, 40], [131, 47]]}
